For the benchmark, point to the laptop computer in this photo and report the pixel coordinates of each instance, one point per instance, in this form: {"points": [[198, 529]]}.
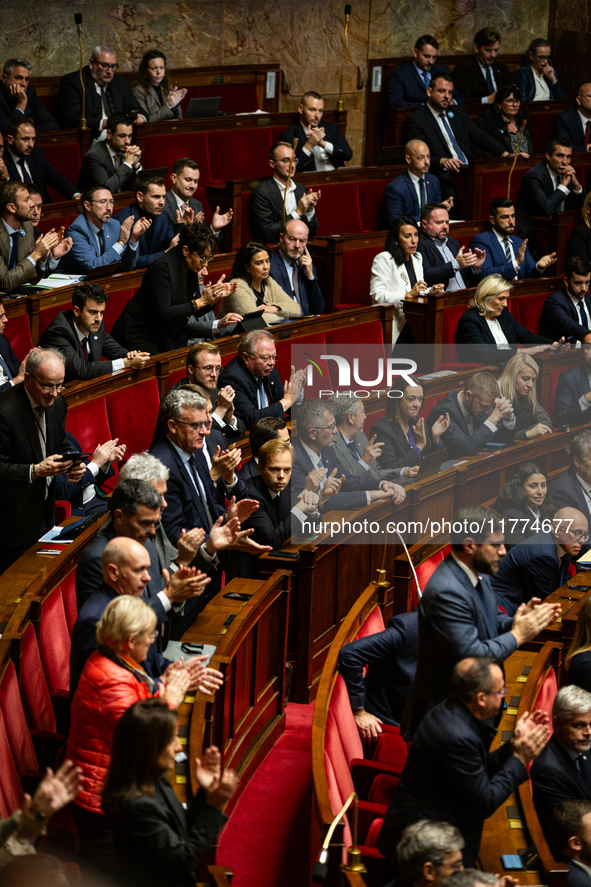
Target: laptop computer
{"points": [[430, 464], [205, 107]]}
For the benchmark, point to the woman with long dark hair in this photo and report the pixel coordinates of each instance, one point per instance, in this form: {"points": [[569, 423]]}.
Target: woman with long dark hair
{"points": [[255, 288], [524, 503], [153, 91], [157, 841], [578, 658]]}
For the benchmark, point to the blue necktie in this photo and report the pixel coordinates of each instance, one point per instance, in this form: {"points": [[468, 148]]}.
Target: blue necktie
{"points": [[195, 464], [353, 450], [13, 250], [461, 156], [426, 78], [489, 619], [583, 316], [489, 80]]}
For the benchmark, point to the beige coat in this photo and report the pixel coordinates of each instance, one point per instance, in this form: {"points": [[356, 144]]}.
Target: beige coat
{"points": [[148, 98], [243, 302]]}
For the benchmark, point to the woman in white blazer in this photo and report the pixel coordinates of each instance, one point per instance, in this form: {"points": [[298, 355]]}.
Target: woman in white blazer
{"points": [[397, 274]]}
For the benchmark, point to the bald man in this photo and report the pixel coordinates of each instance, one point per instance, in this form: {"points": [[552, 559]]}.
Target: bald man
{"points": [[292, 268], [536, 567], [575, 122], [407, 194]]}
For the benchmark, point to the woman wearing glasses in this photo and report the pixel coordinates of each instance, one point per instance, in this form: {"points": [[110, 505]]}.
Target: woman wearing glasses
{"points": [[255, 289], [153, 91], [157, 318], [504, 120]]}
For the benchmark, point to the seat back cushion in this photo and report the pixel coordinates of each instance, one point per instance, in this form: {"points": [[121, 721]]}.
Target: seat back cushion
{"points": [[33, 685], [19, 734]]}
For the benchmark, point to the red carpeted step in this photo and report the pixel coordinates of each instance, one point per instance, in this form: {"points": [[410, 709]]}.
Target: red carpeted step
{"points": [[267, 840]]}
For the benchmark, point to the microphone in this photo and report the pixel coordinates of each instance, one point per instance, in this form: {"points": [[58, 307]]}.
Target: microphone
{"points": [[78, 23], [347, 17], [525, 116], [347, 10], [353, 864]]}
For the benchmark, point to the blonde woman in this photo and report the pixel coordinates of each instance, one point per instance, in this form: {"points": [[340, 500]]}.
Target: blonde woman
{"points": [[580, 239], [489, 324], [518, 384], [397, 274], [578, 660]]}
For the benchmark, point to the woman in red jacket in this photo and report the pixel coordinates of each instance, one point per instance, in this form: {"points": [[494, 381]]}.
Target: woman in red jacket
{"points": [[112, 680]]}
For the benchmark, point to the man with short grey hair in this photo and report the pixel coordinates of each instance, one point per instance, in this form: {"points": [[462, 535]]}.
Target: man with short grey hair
{"points": [[428, 852], [18, 99], [563, 770], [32, 441], [573, 488], [106, 93], [471, 878], [354, 451]]}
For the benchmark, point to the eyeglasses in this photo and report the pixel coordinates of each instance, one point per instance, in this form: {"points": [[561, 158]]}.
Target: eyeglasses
{"points": [[47, 387], [154, 634], [542, 58], [511, 101], [205, 260], [105, 66], [456, 866], [267, 358], [578, 535], [196, 426], [210, 370], [326, 427], [500, 693]]}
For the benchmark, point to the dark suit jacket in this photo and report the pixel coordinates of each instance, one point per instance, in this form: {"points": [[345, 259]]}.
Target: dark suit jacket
{"points": [[249, 470], [158, 842], [579, 670], [474, 330], [555, 778], [422, 125], [400, 196], [68, 104], [245, 401], [568, 124], [44, 121], [406, 88], [493, 123], [580, 242], [437, 271], [538, 197], [98, 169], [561, 318], [26, 511], [155, 319], [572, 384], [391, 660], [74, 493], [170, 208], [42, 173], [342, 150], [265, 211], [216, 439], [530, 569], [61, 333], [471, 83], [451, 776], [397, 452], [352, 495], [310, 294], [24, 271], [85, 255], [231, 434], [272, 524], [162, 234], [496, 262], [577, 877], [84, 640], [524, 79], [566, 491], [457, 440], [10, 359], [453, 624]]}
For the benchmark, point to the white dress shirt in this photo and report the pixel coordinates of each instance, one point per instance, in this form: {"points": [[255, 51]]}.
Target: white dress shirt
{"points": [[497, 332], [118, 364], [501, 239], [508, 423], [542, 93], [19, 170], [444, 132], [484, 69], [291, 202], [53, 263]]}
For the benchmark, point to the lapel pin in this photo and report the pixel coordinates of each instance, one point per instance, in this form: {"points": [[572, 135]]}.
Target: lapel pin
{"points": [[450, 113]]}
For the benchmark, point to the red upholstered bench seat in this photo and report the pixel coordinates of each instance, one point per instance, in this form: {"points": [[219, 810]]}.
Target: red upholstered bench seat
{"points": [[66, 160], [243, 151], [528, 310], [45, 225], [18, 330], [132, 414], [371, 198], [338, 209], [356, 276]]}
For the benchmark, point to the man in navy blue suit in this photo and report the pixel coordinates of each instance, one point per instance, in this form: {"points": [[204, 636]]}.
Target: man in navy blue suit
{"points": [[27, 163], [573, 488], [293, 270], [314, 450], [575, 122], [407, 194], [18, 99], [571, 834], [391, 660], [480, 76], [444, 261], [12, 370], [150, 194], [573, 392], [99, 240], [536, 567], [408, 84], [538, 81], [507, 254], [567, 312], [321, 146]]}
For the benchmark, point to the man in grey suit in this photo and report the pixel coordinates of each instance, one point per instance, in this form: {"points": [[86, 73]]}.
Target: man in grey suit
{"points": [[352, 448], [458, 614], [180, 205], [114, 163]]}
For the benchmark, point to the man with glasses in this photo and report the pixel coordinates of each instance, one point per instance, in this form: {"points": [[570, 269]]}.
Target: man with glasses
{"points": [[24, 258], [204, 365], [267, 200], [458, 613], [449, 774], [575, 122], [113, 163], [106, 93], [98, 240], [258, 388], [293, 270], [573, 487], [428, 852], [32, 441], [536, 567], [538, 81], [563, 770]]}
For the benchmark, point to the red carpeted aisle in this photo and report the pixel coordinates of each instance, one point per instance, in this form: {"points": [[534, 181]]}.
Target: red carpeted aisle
{"points": [[266, 843]]}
